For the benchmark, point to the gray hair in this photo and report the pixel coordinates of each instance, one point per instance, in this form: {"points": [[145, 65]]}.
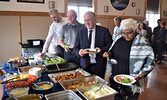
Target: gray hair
{"points": [[73, 12], [118, 19], [53, 11], [129, 24]]}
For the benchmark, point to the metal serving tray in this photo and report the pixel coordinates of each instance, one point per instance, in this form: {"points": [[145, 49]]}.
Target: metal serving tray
{"points": [[53, 75], [63, 95], [94, 78], [25, 70], [107, 97]]}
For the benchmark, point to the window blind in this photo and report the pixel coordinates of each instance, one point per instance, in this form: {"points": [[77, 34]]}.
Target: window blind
{"points": [[87, 3]]}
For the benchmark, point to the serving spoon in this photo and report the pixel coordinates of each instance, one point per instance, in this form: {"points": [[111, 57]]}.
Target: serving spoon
{"points": [[113, 61], [38, 86]]}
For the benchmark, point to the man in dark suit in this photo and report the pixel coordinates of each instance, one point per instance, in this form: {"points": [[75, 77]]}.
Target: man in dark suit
{"points": [[94, 37]]}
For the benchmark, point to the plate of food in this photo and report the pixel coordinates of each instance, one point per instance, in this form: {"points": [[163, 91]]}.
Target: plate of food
{"points": [[91, 50], [69, 46], [124, 79]]}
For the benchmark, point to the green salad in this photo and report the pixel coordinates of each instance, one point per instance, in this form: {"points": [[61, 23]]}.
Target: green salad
{"points": [[125, 80], [54, 60]]}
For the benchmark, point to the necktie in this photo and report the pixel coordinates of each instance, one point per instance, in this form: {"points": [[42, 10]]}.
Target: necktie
{"points": [[89, 43], [90, 38]]}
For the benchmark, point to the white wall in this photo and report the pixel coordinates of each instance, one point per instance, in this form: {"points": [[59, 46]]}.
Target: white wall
{"points": [[13, 5]]}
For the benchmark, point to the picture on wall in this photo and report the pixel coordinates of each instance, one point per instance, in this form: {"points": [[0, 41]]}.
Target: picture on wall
{"points": [[119, 4], [4, 0], [31, 1]]}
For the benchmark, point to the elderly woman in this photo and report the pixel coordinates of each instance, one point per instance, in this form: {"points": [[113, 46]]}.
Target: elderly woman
{"points": [[134, 56]]}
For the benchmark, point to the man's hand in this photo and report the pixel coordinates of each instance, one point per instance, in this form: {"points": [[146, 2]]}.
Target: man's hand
{"points": [[98, 49], [66, 49], [82, 52], [42, 54], [106, 54]]}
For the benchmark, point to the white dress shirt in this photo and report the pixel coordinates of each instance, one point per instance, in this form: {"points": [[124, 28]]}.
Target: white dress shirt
{"points": [[92, 46], [117, 31], [52, 39]]}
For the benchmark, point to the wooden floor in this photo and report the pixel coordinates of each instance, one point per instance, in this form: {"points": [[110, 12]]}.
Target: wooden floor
{"points": [[155, 84]]}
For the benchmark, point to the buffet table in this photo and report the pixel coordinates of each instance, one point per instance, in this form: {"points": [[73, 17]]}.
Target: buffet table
{"points": [[63, 79], [44, 77]]}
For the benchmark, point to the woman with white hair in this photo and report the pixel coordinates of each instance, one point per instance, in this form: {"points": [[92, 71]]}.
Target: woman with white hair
{"points": [[134, 56]]}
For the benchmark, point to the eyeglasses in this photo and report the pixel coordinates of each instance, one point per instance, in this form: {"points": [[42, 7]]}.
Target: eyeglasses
{"points": [[127, 33]]}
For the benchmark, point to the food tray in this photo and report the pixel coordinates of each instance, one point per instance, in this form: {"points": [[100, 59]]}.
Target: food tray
{"points": [[107, 97], [25, 70], [53, 75], [62, 66], [63, 95], [87, 79]]}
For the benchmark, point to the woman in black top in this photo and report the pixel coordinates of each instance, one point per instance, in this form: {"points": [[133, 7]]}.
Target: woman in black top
{"points": [[134, 56]]}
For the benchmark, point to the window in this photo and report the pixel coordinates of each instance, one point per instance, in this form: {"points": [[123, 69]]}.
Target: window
{"points": [[81, 7], [152, 18]]}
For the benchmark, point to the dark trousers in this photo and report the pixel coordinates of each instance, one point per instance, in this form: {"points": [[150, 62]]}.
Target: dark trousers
{"points": [[92, 69], [70, 57], [158, 49], [60, 51], [124, 92]]}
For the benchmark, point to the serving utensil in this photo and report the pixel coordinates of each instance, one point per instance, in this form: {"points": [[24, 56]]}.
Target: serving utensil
{"points": [[57, 65], [113, 61], [101, 87], [38, 86], [8, 81]]}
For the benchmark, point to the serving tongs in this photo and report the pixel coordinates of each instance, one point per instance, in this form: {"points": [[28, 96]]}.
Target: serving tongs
{"points": [[57, 65], [101, 87], [9, 81]]}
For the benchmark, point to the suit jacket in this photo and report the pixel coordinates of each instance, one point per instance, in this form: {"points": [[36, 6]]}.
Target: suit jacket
{"points": [[103, 40]]}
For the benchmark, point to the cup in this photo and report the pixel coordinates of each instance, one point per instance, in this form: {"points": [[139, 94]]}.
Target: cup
{"points": [[35, 71]]}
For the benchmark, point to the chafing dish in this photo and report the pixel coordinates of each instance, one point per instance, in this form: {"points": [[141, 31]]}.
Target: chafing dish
{"points": [[109, 96], [89, 80], [63, 95], [53, 75], [62, 67]]}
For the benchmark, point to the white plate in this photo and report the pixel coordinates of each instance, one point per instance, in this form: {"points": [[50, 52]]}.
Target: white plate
{"points": [[71, 46], [126, 76], [91, 51]]}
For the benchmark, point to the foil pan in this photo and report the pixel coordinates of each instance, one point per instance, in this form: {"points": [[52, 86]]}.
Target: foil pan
{"points": [[111, 96], [89, 79], [53, 75], [63, 95]]}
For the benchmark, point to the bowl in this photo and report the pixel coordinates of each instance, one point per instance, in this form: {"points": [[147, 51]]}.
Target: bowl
{"points": [[18, 92], [46, 85]]}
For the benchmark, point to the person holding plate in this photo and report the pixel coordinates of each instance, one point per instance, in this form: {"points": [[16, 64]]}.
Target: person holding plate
{"points": [[92, 37], [134, 57], [52, 40], [68, 34]]}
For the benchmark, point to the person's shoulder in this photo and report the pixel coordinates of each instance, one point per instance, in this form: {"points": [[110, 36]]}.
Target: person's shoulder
{"points": [[52, 25], [101, 27], [82, 30], [65, 26], [80, 24]]}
